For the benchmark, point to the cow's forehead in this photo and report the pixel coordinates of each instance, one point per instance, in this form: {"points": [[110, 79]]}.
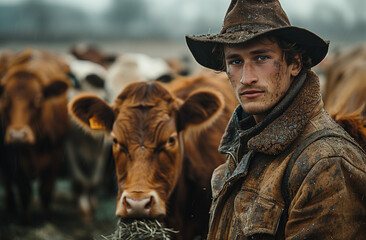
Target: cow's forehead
{"points": [[141, 123], [141, 108], [140, 93], [154, 106], [30, 85], [144, 102]]}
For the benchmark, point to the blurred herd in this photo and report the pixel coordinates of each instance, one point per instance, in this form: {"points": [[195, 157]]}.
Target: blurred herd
{"points": [[40, 141]]}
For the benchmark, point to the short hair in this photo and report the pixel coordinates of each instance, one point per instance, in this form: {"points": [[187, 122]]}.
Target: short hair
{"points": [[290, 51]]}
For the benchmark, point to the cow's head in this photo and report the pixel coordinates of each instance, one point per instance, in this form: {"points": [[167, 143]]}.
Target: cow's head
{"points": [[22, 96], [146, 123]]}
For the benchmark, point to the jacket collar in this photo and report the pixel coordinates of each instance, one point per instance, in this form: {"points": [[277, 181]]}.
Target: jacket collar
{"points": [[284, 123]]}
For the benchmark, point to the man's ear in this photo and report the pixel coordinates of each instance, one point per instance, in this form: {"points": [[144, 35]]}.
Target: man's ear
{"points": [[92, 112], [296, 66]]}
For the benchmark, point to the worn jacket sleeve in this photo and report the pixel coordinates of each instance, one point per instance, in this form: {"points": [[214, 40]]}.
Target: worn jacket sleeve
{"points": [[330, 202]]}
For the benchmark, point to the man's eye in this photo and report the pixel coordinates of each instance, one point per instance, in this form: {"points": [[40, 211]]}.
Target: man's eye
{"points": [[262, 58], [235, 62]]}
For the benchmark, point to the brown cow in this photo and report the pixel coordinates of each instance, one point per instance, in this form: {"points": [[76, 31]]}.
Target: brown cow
{"points": [[337, 66], [354, 124], [5, 56], [165, 146], [344, 92], [33, 110]]}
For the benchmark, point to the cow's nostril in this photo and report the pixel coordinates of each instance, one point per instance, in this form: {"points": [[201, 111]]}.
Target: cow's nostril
{"points": [[150, 203], [125, 203]]}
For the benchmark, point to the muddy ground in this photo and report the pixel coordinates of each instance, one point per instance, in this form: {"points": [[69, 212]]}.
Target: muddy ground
{"points": [[65, 223]]}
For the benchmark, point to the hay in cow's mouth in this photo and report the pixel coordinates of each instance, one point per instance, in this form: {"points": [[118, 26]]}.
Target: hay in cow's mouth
{"points": [[140, 229]]}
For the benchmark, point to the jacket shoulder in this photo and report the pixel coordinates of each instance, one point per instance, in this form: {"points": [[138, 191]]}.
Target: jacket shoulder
{"points": [[330, 148]]}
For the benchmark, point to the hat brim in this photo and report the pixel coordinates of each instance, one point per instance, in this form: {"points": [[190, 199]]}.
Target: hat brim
{"points": [[202, 47]]}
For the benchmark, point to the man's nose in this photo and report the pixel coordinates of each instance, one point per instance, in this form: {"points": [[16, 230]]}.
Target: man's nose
{"points": [[248, 75]]}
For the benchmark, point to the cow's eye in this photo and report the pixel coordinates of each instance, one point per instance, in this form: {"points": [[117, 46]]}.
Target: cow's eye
{"points": [[171, 141], [119, 146], [116, 144]]}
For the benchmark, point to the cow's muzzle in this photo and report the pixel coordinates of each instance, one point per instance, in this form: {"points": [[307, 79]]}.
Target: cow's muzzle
{"points": [[19, 135], [140, 205]]}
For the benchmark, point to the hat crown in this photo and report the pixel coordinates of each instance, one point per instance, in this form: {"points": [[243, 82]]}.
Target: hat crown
{"points": [[254, 14], [248, 19]]}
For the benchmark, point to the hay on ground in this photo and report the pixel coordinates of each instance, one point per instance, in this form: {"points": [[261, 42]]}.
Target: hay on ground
{"points": [[140, 229]]}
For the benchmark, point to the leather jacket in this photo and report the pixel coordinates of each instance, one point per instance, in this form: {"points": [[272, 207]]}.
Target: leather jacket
{"points": [[328, 202]]}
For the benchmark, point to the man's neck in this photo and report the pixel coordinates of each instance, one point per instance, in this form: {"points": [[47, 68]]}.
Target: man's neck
{"points": [[258, 118]]}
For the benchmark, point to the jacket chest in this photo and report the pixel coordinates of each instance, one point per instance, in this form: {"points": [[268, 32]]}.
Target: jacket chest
{"points": [[250, 200]]}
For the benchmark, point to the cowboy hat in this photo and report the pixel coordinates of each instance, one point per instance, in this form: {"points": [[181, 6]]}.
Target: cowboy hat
{"points": [[248, 19]]}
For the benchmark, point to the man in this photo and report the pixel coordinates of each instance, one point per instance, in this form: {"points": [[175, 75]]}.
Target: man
{"points": [[291, 172]]}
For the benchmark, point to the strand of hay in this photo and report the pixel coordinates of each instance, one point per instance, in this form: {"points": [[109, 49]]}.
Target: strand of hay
{"points": [[140, 229]]}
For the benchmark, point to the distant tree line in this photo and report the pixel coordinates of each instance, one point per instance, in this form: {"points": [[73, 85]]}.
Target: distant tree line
{"points": [[39, 20], [332, 24]]}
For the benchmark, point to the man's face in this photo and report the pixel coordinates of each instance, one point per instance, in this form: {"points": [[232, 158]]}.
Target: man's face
{"points": [[259, 75]]}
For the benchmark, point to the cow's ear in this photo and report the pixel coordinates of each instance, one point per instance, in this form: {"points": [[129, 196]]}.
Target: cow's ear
{"points": [[55, 88], [200, 110], [165, 78], [92, 112]]}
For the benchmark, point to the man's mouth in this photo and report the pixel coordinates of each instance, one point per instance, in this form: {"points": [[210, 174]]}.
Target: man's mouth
{"points": [[252, 93]]}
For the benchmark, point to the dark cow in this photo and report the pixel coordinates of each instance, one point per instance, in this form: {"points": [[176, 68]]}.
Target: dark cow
{"points": [[86, 154], [93, 53], [33, 110], [165, 140]]}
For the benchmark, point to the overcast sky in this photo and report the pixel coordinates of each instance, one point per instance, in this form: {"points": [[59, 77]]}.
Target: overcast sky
{"points": [[330, 18], [292, 7], [193, 7]]}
